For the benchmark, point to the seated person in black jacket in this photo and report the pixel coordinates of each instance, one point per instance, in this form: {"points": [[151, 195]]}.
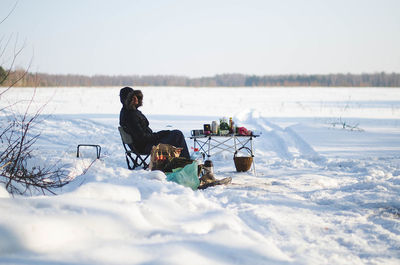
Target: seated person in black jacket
{"points": [[136, 124]]}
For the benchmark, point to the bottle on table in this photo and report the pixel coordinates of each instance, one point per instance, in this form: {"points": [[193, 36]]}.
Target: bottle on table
{"points": [[223, 127], [214, 127]]}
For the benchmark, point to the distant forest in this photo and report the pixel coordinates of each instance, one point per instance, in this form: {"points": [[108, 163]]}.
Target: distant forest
{"points": [[382, 79]]}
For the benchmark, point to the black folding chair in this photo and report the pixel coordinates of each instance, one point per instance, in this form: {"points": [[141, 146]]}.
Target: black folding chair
{"points": [[133, 157]]}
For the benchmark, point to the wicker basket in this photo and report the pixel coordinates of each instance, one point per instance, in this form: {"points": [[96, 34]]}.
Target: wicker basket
{"points": [[243, 163]]}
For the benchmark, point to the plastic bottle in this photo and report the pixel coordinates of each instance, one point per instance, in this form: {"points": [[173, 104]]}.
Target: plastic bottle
{"points": [[197, 155]]}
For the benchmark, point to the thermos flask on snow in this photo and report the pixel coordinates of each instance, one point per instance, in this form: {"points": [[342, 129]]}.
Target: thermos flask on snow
{"points": [[208, 167]]}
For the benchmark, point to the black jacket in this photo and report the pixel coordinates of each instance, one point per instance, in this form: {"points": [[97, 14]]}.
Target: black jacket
{"points": [[137, 125]]}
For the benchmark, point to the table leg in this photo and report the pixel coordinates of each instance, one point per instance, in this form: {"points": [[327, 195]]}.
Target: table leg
{"points": [[209, 147], [252, 153]]}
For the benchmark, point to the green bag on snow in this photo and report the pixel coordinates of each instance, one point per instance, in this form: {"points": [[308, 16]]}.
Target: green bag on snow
{"points": [[186, 176]]}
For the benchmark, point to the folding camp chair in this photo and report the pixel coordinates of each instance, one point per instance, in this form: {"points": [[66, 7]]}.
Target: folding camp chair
{"points": [[134, 158]]}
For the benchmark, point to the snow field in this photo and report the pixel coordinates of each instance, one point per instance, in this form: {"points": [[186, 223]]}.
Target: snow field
{"points": [[321, 194]]}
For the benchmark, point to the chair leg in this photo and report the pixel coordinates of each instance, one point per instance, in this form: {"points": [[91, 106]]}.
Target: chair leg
{"points": [[146, 164], [129, 161], [143, 161], [137, 161]]}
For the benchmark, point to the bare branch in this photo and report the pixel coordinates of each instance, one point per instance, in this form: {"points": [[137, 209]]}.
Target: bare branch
{"points": [[3, 49], [11, 11]]}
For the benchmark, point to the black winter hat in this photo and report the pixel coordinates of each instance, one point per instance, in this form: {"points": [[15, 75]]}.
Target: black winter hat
{"points": [[128, 99], [124, 92]]}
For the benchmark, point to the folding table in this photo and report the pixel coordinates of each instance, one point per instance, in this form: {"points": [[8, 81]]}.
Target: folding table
{"points": [[212, 144]]}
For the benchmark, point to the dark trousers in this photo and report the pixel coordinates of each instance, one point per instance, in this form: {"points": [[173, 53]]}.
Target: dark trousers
{"points": [[175, 138]]}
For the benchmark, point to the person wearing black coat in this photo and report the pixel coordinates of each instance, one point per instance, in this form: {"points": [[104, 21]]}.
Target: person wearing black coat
{"points": [[136, 124]]}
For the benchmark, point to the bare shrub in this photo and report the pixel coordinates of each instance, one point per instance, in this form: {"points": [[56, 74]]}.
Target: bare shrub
{"points": [[17, 140]]}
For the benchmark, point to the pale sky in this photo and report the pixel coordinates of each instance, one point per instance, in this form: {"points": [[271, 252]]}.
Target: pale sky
{"points": [[204, 37]]}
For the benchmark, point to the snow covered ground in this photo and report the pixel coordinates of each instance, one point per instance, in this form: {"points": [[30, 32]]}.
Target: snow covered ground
{"points": [[321, 194]]}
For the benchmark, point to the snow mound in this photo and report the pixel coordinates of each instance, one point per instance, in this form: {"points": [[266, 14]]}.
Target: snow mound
{"points": [[3, 192], [107, 192]]}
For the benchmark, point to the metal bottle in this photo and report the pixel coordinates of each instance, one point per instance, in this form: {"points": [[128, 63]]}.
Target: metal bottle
{"points": [[208, 167], [214, 127]]}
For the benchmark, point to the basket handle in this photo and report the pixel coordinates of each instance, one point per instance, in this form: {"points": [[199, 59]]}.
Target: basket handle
{"points": [[244, 147]]}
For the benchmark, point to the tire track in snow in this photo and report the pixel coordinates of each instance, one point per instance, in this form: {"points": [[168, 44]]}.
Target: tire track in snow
{"points": [[306, 149], [284, 142], [274, 140], [81, 130]]}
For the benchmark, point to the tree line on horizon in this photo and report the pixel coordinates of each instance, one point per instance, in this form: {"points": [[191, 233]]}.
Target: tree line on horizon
{"points": [[27, 79]]}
